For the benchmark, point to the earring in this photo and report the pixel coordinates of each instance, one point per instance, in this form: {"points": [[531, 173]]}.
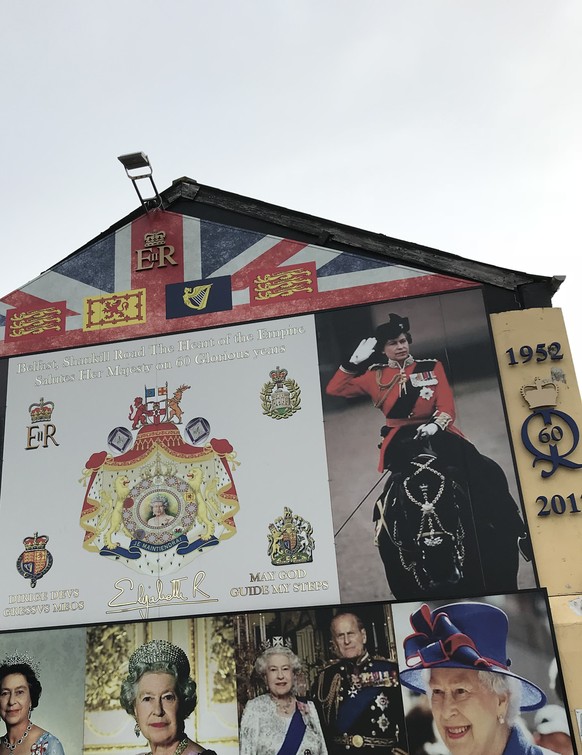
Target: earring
{"points": [[137, 729], [29, 712], [501, 719]]}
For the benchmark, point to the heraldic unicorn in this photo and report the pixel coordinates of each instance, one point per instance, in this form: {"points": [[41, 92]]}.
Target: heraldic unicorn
{"points": [[159, 501]]}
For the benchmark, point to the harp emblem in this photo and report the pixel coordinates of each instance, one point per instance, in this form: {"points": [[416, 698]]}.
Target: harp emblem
{"points": [[197, 296]]}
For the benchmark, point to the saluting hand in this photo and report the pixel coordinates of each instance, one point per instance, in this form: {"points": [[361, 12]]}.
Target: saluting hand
{"points": [[364, 351]]}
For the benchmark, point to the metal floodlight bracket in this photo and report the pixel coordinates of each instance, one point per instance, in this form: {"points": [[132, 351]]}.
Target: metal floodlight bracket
{"points": [[138, 168]]}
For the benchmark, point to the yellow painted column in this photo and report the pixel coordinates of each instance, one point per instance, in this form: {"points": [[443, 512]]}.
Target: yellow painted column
{"points": [[545, 418]]}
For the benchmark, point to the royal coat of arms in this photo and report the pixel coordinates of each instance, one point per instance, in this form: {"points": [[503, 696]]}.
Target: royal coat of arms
{"points": [[290, 540], [161, 501]]}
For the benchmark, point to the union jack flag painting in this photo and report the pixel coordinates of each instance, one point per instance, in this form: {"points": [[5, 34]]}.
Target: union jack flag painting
{"points": [[129, 277]]}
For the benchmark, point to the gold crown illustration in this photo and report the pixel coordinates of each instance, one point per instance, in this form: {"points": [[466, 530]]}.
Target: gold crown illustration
{"points": [[35, 542], [540, 393], [41, 412], [154, 238]]}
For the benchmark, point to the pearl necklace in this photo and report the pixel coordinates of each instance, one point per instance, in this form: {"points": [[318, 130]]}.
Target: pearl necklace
{"points": [[11, 747], [285, 707]]}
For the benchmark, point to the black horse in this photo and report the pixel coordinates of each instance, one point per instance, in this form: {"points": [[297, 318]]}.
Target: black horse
{"points": [[437, 529]]}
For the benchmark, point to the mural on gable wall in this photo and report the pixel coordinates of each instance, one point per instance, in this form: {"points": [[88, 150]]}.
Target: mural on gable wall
{"points": [[202, 432]]}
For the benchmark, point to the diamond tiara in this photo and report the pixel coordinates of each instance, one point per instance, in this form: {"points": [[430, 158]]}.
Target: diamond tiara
{"points": [[277, 642], [160, 651], [17, 659]]}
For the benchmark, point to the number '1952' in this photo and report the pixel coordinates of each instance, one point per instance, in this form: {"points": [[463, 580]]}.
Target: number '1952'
{"points": [[541, 353]]}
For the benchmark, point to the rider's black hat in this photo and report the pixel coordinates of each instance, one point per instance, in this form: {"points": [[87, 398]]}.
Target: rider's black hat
{"points": [[393, 327]]}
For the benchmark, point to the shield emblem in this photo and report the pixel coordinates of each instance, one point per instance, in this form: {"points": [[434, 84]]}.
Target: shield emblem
{"points": [[35, 561], [290, 539]]}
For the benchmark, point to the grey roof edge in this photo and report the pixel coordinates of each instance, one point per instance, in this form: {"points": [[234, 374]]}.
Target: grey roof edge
{"points": [[329, 233]]}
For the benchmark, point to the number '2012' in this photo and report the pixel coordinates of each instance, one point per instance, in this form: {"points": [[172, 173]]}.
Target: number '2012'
{"points": [[541, 353], [557, 504]]}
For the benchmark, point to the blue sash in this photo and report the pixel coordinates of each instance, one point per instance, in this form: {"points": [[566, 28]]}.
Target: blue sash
{"points": [[294, 735], [351, 709]]}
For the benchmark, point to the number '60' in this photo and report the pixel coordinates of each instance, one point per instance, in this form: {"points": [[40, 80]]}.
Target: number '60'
{"points": [[556, 434]]}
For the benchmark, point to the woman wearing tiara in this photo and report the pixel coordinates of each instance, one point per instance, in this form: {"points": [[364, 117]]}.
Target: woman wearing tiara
{"points": [[160, 694], [20, 691], [277, 723]]}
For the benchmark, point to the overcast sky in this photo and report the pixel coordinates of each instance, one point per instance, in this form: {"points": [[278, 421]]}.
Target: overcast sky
{"points": [[451, 123]]}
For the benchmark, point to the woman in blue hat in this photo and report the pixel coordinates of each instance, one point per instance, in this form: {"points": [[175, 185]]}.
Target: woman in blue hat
{"points": [[457, 656], [482, 524]]}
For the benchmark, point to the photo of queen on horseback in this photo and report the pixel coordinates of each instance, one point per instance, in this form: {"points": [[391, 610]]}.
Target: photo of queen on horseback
{"points": [[445, 522]]}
